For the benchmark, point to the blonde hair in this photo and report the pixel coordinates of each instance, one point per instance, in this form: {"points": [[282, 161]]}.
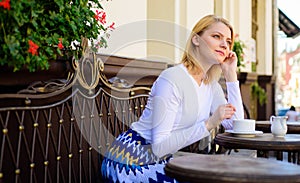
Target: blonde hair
{"points": [[189, 61]]}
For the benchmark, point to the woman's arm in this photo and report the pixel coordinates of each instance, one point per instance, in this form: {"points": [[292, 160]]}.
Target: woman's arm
{"points": [[229, 67], [234, 98], [166, 107]]}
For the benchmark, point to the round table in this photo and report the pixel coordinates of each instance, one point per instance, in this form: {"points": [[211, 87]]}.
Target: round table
{"points": [[263, 143], [222, 168]]}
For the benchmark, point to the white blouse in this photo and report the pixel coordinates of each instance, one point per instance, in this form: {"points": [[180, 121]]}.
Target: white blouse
{"points": [[161, 123]]}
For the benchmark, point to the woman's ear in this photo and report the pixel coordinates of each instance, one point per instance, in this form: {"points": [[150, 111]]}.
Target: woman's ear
{"points": [[195, 40]]}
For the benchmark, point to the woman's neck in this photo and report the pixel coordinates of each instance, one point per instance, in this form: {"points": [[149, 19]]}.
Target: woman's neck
{"points": [[198, 75], [205, 64]]}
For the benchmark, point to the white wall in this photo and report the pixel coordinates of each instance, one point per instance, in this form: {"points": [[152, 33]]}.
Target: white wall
{"points": [[243, 20], [171, 21], [196, 9], [129, 37], [189, 13], [265, 46], [160, 30], [162, 37], [239, 14]]}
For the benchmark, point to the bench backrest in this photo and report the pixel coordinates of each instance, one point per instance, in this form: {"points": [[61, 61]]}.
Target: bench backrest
{"points": [[58, 131]]}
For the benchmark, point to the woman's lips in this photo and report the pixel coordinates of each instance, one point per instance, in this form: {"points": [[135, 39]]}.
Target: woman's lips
{"points": [[220, 52]]}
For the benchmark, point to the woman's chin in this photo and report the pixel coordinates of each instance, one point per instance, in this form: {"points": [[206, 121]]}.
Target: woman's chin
{"points": [[215, 61]]}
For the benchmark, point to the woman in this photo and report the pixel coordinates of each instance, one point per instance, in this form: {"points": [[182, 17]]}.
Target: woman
{"points": [[185, 103]]}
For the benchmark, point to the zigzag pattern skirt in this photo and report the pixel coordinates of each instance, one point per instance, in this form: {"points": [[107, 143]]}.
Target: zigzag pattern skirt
{"points": [[130, 159]]}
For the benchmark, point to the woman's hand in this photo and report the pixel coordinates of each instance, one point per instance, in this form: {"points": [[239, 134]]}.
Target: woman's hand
{"points": [[225, 111], [229, 67]]}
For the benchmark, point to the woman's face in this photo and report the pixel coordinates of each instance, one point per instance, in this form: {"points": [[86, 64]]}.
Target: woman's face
{"points": [[217, 39]]}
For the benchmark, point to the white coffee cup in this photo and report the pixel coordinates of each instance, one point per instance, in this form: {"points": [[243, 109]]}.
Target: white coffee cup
{"points": [[243, 125]]}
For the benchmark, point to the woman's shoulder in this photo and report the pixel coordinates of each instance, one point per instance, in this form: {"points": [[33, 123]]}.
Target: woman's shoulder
{"points": [[177, 76], [174, 67], [173, 71]]}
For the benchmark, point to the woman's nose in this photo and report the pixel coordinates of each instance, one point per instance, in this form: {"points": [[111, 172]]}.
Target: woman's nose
{"points": [[224, 44]]}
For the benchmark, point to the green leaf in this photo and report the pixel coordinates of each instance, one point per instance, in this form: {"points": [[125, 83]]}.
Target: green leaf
{"points": [[44, 22]]}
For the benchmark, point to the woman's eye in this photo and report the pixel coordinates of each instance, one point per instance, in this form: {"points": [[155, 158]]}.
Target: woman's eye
{"points": [[229, 42], [216, 36]]}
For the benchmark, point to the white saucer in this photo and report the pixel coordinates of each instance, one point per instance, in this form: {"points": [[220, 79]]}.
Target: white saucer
{"points": [[245, 134]]}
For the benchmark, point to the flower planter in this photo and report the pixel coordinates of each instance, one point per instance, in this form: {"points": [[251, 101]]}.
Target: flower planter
{"points": [[12, 82]]}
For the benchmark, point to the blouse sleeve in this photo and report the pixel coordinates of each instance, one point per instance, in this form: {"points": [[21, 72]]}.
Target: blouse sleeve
{"points": [[234, 98], [166, 139]]}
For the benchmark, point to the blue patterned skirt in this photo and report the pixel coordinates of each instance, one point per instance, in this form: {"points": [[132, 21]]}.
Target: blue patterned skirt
{"points": [[130, 159]]}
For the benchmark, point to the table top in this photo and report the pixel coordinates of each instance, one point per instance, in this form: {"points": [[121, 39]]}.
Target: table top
{"points": [[222, 168], [265, 126], [266, 141]]}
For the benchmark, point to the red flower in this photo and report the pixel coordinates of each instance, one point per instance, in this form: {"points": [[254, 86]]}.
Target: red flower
{"points": [[112, 25], [5, 4], [100, 16], [32, 48], [60, 45]]}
